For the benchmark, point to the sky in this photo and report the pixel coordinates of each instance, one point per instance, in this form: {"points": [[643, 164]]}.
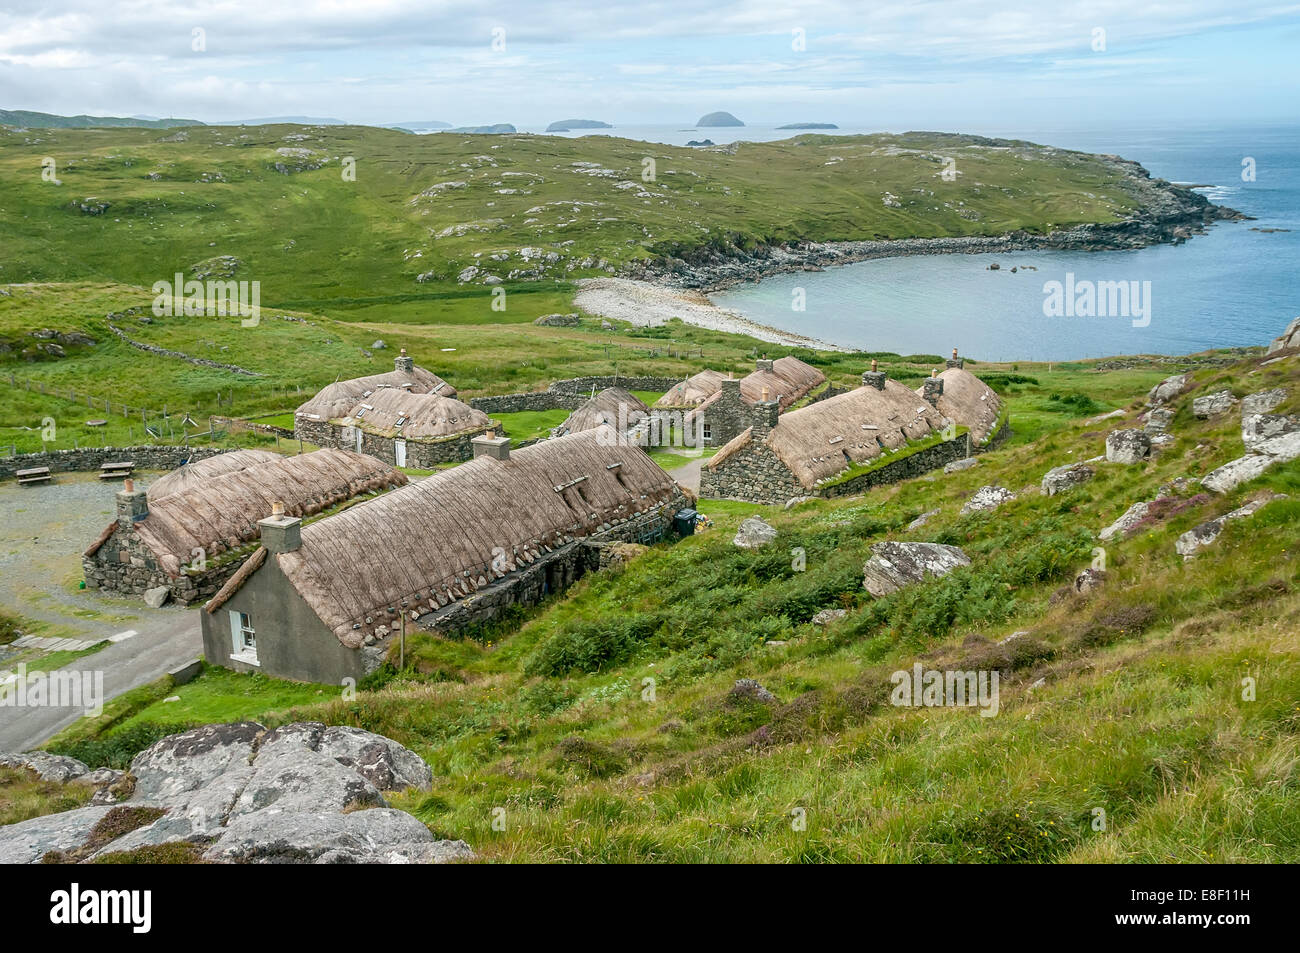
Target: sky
{"points": [[950, 65]]}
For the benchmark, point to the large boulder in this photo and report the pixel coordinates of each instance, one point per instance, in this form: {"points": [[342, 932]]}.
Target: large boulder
{"points": [[1289, 338], [1212, 405], [754, 533], [895, 565], [1236, 472], [1127, 446], [1158, 420], [958, 465], [986, 498], [382, 835], [1201, 536], [1167, 389], [296, 786], [1132, 516], [155, 598], [1262, 402], [1257, 428], [48, 767], [1059, 479]]}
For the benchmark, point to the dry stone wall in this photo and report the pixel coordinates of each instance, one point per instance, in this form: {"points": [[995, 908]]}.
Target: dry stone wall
{"points": [[92, 458]]}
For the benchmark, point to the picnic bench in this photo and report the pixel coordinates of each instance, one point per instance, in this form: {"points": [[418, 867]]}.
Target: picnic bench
{"points": [[33, 475], [116, 471]]}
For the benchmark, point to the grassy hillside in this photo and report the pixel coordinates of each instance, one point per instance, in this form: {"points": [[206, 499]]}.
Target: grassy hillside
{"points": [[1127, 700], [136, 206]]}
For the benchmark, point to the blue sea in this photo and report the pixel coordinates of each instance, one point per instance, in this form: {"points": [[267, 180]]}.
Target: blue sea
{"points": [[1230, 287]]}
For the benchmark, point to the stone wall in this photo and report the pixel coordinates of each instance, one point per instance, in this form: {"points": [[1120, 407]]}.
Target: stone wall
{"points": [[125, 566], [727, 417], [421, 453], [92, 458], [999, 437], [567, 394], [904, 468], [756, 474]]}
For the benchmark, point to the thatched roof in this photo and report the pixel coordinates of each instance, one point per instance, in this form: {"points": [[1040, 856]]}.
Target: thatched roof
{"points": [[434, 541], [693, 390], [613, 406], [422, 415], [337, 399], [969, 401], [789, 380], [187, 477], [824, 439], [221, 512]]}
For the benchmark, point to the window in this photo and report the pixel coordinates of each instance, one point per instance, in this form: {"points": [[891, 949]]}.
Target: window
{"points": [[243, 637], [708, 431]]}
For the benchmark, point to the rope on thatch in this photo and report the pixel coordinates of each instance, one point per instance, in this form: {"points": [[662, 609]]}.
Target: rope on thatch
{"points": [[613, 406], [969, 401], [693, 390], [824, 439], [337, 399], [189, 476], [221, 513], [423, 415], [433, 542]]}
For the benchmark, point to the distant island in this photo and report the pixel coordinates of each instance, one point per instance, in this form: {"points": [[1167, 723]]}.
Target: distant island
{"points": [[284, 121], [719, 119], [568, 125], [34, 120], [493, 130], [416, 125], [699, 142], [809, 125]]}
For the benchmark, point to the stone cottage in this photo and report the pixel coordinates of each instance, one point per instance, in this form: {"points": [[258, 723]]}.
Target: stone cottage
{"points": [[715, 408], [324, 602], [190, 540], [409, 417], [961, 396], [839, 445], [613, 407]]}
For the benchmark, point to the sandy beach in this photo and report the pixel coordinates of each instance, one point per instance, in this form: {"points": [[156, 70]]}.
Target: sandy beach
{"points": [[647, 304]]}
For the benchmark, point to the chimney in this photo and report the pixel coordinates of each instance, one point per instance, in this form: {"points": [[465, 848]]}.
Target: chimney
{"points": [[765, 416], [956, 361], [731, 388], [933, 387], [404, 364], [762, 364], [873, 378], [490, 445], [280, 533], [132, 504]]}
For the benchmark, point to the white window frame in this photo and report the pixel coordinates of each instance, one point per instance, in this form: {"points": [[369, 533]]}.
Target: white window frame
{"points": [[241, 626]]}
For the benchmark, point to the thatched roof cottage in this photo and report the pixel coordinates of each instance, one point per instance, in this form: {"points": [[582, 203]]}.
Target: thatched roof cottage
{"points": [[190, 475], [190, 541], [878, 433], [613, 407], [323, 602], [717, 408], [409, 417]]}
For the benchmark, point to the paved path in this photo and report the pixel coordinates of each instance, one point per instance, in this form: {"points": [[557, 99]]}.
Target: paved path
{"points": [[167, 640], [689, 475]]}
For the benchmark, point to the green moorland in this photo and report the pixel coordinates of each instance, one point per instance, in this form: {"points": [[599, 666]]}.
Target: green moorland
{"points": [[1128, 699], [281, 205]]}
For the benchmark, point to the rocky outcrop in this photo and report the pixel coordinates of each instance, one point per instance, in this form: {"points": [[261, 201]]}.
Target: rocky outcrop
{"points": [[1290, 338], [922, 519], [1258, 428], [1196, 539], [1167, 389], [1127, 446], [1262, 402], [1059, 479], [302, 793], [1280, 449], [987, 498], [556, 320], [1157, 422], [48, 767], [1132, 516], [895, 565], [1212, 405], [754, 533]]}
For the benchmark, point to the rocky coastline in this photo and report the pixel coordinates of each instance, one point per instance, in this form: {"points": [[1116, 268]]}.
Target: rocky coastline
{"points": [[1168, 214]]}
